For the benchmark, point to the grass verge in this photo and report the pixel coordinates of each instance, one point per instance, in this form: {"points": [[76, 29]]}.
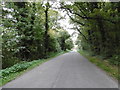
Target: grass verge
{"points": [[112, 70], [17, 70]]}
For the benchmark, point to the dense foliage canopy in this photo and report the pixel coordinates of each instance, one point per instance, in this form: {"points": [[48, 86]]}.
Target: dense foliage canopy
{"points": [[30, 32], [98, 24]]}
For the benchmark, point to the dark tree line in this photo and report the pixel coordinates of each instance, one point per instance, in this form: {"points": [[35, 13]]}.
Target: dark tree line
{"points": [[28, 34], [98, 24]]}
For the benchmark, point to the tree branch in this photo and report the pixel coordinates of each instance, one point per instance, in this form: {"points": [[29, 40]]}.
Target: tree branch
{"points": [[80, 33], [75, 20], [86, 17]]}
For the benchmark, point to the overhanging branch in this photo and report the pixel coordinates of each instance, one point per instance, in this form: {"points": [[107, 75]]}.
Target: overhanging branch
{"points": [[75, 20], [80, 33], [88, 18]]}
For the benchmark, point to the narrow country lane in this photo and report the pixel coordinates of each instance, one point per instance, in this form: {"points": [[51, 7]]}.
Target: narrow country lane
{"points": [[70, 70]]}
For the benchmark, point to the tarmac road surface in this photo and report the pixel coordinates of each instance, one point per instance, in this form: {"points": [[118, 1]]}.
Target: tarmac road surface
{"points": [[70, 70]]}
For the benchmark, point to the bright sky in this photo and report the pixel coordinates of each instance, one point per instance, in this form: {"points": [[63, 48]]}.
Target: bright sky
{"points": [[65, 23]]}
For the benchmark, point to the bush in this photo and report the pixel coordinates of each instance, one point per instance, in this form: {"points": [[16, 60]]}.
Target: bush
{"points": [[69, 44], [17, 68], [115, 60]]}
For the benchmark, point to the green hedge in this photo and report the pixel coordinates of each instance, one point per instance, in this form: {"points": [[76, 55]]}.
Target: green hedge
{"points": [[17, 68]]}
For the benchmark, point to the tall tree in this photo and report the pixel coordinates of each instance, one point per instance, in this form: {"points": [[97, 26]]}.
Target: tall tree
{"points": [[47, 6]]}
